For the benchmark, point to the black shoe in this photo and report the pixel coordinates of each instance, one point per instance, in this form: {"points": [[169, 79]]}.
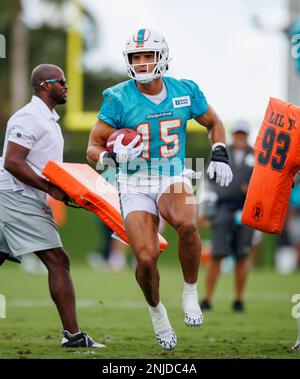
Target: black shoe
{"points": [[205, 305], [78, 340], [238, 306]]}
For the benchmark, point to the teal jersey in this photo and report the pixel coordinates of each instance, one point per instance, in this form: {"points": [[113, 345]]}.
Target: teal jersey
{"points": [[162, 126]]}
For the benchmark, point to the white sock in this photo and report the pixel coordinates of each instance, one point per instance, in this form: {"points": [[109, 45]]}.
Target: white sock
{"points": [[190, 297], [190, 305], [158, 309], [159, 316], [188, 287], [163, 330]]}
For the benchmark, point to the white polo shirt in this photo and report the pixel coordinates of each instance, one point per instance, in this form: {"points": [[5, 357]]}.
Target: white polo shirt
{"points": [[35, 127]]}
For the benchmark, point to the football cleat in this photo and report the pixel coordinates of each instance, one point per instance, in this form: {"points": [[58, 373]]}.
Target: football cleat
{"points": [[193, 319], [192, 312], [164, 333], [78, 340], [167, 339]]}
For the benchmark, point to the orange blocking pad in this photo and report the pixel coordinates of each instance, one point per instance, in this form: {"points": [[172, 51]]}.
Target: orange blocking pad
{"points": [[91, 191], [277, 159]]}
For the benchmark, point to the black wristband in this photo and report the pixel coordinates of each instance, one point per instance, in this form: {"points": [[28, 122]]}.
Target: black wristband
{"points": [[219, 154], [110, 159]]}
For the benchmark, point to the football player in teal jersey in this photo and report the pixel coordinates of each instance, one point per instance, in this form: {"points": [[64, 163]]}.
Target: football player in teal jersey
{"points": [[158, 108]]}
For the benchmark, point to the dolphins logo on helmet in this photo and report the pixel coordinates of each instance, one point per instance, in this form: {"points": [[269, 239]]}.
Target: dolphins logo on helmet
{"points": [[147, 40]]}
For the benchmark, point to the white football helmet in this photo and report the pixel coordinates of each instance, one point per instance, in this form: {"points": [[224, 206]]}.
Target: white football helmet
{"points": [[145, 40]]}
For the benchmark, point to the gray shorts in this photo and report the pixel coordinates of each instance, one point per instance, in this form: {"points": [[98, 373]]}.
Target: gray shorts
{"points": [[26, 225], [229, 237]]}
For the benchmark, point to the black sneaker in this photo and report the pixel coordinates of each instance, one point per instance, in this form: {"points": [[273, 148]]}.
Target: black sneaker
{"points": [[238, 306], [78, 340], [205, 305]]}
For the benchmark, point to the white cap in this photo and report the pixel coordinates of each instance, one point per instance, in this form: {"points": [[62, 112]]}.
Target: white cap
{"points": [[240, 126]]}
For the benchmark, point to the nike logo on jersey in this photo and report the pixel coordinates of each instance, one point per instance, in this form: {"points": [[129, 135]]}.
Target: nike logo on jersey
{"points": [[183, 101]]}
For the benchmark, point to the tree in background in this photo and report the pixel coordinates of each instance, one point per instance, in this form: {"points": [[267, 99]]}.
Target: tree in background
{"points": [[15, 30], [20, 37], [43, 40]]}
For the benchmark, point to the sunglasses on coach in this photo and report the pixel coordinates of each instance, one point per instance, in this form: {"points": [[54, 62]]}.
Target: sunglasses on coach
{"points": [[62, 82]]}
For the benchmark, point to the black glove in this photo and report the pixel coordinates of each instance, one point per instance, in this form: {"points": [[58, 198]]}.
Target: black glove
{"points": [[219, 154], [219, 169]]}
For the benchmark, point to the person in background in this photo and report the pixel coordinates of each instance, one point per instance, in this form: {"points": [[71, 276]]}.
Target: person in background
{"points": [[293, 221], [229, 236]]}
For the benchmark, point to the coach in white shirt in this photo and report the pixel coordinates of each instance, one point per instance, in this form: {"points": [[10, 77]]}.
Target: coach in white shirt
{"points": [[33, 137]]}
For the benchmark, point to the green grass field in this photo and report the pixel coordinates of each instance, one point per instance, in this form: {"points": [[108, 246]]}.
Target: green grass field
{"points": [[111, 309]]}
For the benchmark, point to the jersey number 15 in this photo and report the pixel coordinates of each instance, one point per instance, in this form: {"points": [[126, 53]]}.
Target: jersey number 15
{"points": [[171, 141]]}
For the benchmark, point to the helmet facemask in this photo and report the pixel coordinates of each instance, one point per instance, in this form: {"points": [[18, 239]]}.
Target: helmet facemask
{"points": [[160, 67]]}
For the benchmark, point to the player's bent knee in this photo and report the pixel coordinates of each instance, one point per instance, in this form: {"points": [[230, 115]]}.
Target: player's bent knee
{"points": [[146, 259], [186, 228]]}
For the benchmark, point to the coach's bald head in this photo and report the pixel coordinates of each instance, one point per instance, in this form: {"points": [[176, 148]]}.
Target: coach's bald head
{"points": [[44, 72], [48, 83]]}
